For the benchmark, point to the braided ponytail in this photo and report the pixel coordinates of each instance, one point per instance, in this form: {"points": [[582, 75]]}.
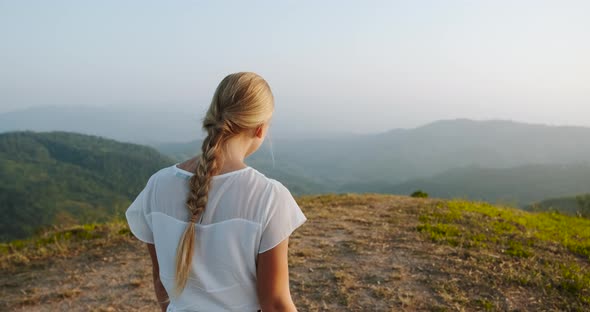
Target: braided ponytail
{"points": [[241, 101], [207, 166]]}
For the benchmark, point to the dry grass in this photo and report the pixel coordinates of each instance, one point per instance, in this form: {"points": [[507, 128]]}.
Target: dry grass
{"points": [[355, 253]]}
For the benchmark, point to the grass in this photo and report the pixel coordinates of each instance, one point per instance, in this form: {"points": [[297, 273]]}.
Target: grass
{"points": [[61, 242], [554, 246]]}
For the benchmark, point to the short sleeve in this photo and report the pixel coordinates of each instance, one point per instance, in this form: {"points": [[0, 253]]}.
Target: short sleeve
{"points": [[138, 214], [283, 217]]}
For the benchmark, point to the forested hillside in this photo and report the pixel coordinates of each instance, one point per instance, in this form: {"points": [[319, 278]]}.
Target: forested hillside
{"points": [[66, 178]]}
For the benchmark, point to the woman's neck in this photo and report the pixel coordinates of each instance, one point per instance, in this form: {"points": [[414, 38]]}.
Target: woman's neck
{"points": [[231, 157]]}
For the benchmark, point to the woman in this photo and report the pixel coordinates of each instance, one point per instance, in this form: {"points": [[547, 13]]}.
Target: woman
{"points": [[217, 229]]}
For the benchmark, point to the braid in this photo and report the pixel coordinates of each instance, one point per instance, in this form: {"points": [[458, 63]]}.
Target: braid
{"points": [[207, 166]]}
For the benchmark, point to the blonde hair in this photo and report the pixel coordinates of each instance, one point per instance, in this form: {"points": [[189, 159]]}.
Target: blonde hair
{"points": [[241, 101]]}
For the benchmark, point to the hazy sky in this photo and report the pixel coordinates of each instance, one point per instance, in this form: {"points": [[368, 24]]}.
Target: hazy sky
{"points": [[361, 66]]}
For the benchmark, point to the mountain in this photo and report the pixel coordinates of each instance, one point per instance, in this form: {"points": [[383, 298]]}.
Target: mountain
{"points": [[494, 160], [356, 252], [55, 178], [395, 156]]}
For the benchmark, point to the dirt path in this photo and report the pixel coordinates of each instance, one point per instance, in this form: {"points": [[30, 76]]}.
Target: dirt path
{"points": [[362, 254]]}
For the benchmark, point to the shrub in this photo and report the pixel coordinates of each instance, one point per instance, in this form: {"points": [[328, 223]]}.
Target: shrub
{"points": [[420, 194]]}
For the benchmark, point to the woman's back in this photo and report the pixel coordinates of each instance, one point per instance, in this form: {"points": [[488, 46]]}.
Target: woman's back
{"points": [[246, 214]]}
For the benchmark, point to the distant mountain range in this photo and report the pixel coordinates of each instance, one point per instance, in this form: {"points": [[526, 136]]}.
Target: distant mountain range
{"points": [[61, 177], [489, 160]]}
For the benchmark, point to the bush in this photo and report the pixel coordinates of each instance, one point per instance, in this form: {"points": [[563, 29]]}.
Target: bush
{"points": [[420, 194]]}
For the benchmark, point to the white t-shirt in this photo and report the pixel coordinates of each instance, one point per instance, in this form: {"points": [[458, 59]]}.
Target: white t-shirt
{"points": [[247, 213]]}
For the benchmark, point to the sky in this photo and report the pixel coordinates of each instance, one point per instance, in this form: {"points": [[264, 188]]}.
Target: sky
{"points": [[351, 66]]}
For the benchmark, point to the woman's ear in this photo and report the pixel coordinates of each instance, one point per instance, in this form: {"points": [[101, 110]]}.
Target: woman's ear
{"points": [[258, 131]]}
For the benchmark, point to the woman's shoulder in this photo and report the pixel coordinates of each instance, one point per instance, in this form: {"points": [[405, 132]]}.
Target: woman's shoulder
{"points": [[158, 174], [161, 172], [272, 184]]}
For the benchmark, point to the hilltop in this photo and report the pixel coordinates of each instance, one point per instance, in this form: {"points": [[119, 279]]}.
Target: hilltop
{"points": [[356, 252]]}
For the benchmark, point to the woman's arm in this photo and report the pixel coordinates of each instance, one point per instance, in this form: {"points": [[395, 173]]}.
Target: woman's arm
{"points": [[161, 293], [272, 272]]}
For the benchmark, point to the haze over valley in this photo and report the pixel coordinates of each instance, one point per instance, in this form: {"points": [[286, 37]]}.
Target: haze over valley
{"points": [[505, 162]]}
